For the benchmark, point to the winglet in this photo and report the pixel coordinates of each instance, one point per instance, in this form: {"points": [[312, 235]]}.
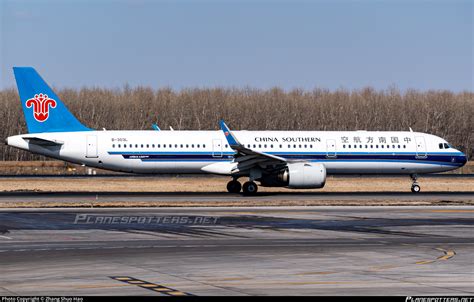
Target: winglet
{"points": [[231, 139]]}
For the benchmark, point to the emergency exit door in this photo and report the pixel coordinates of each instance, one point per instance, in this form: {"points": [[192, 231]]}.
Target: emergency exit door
{"points": [[216, 148], [331, 148]]}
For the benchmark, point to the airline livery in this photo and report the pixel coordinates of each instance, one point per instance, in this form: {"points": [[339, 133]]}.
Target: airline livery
{"points": [[291, 159]]}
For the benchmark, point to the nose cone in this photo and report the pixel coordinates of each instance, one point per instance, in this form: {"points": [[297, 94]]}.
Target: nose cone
{"points": [[6, 141]]}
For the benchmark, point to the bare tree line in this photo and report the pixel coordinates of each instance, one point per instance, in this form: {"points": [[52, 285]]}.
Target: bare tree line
{"points": [[443, 113]]}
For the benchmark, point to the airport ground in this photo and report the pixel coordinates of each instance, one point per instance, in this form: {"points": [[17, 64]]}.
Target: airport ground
{"points": [[185, 191], [172, 236], [421, 250]]}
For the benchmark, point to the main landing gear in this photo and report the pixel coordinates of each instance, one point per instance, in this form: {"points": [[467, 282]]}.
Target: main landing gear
{"points": [[249, 188], [415, 188], [234, 186]]}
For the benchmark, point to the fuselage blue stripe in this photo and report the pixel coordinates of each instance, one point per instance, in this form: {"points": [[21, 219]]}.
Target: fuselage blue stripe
{"points": [[450, 159], [277, 153]]}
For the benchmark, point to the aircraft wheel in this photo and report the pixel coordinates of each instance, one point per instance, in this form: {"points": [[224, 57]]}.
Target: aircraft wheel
{"points": [[234, 186], [415, 188], [250, 188]]}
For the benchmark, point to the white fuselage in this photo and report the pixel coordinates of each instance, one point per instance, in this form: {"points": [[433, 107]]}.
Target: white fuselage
{"points": [[351, 152]]}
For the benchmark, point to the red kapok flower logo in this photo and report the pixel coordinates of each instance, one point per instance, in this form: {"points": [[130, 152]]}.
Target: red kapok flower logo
{"points": [[41, 103]]}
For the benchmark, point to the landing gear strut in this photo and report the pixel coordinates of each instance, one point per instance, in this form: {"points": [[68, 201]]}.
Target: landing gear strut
{"points": [[234, 186], [250, 188], [415, 188]]}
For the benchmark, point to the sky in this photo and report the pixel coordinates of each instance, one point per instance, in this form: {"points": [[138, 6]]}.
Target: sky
{"points": [[262, 44]]}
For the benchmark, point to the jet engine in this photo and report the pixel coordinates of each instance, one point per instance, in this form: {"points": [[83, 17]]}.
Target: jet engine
{"points": [[303, 175]]}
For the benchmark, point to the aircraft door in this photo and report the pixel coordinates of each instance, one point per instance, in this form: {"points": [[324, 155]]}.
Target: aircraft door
{"points": [[216, 148], [420, 147], [91, 148], [331, 148]]}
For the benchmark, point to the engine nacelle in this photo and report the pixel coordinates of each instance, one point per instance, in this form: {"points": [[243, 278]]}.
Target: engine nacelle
{"points": [[302, 175], [306, 175]]}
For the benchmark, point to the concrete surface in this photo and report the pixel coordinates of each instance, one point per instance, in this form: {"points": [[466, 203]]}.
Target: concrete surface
{"points": [[238, 251]]}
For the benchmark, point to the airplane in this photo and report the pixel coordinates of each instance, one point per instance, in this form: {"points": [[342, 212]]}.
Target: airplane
{"points": [[291, 159]]}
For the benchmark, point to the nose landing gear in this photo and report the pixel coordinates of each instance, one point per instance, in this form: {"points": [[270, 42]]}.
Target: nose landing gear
{"points": [[415, 188]]}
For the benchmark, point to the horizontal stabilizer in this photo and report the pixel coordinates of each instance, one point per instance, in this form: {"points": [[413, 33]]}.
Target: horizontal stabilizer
{"points": [[42, 142]]}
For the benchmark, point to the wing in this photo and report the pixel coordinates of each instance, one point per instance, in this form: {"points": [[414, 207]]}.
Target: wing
{"points": [[247, 158]]}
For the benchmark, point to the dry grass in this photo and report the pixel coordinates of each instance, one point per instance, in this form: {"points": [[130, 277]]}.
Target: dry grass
{"points": [[240, 203], [63, 168], [218, 184]]}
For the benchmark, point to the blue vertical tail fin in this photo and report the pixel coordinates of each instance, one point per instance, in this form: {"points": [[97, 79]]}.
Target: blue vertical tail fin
{"points": [[43, 110]]}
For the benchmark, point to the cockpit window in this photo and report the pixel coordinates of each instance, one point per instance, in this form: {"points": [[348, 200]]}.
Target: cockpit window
{"points": [[441, 145], [446, 146]]}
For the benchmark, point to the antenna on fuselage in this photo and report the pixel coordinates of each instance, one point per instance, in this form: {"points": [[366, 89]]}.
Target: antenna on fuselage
{"points": [[171, 128], [411, 130]]}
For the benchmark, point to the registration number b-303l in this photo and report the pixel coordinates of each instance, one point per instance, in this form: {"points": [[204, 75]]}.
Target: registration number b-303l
{"points": [[119, 139]]}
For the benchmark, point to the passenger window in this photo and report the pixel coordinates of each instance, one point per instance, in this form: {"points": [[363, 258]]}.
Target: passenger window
{"points": [[198, 145], [265, 146], [187, 146], [311, 146], [148, 146], [355, 146], [170, 145], [130, 145], [366, 147], [226, 145], [344, 146], [371, 146], [204, 145], [393, 146], [349, 146], [119, 145], [113, 145], [398, 146], [181, 146], [404, 146], [376, 146], [289, 146], [294, 146]]}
